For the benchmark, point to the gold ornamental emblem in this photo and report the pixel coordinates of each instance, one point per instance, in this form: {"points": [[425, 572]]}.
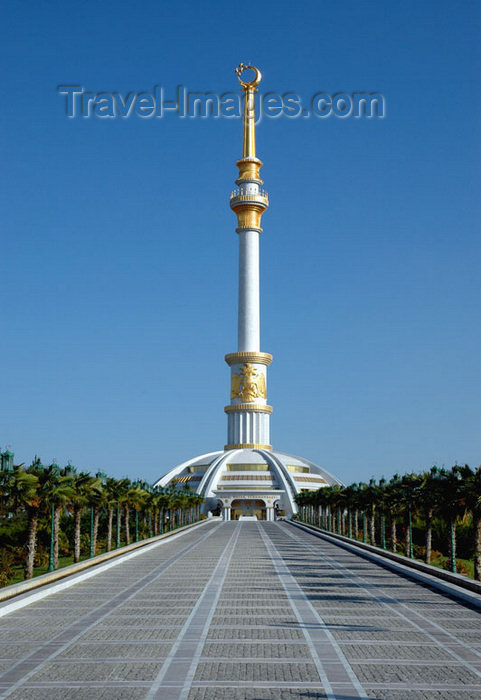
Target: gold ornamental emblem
{"points": [[248, 385]]}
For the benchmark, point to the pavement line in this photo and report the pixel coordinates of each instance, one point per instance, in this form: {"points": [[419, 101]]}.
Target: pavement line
{"points": [[456, 585], [25, 599], [352, 575], [307, 615], [188, 647], [42, 653]]}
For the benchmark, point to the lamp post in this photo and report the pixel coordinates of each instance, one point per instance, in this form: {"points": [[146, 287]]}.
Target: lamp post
{"points": [[52, 525], [117, 540], [91, 532], [94, 521], [410, 527], [452, 548]]}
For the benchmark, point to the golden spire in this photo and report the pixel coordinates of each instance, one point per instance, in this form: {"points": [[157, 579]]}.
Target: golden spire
{"points": [[249, 202], [250, 88]]}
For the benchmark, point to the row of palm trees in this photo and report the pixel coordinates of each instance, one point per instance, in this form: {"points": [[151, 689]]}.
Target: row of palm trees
{"points": [[363, 511], [50, 491]]}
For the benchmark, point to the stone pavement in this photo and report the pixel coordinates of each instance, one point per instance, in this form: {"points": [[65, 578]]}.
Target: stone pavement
{"points": [[243, 611]]}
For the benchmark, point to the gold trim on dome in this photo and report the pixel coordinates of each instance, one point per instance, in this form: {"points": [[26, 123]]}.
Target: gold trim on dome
{"points": [[260, 358], [253, 407], [250, 446]]}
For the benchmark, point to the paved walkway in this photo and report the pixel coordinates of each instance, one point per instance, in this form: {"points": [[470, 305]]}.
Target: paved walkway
{"points": [[242, 611]]}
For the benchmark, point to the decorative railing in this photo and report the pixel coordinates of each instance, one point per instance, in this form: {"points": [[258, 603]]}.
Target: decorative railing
{"points": [[260, 196]]}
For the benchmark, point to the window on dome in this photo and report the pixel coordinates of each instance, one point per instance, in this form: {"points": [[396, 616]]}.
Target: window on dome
{"points": [[247, 467], [313, 478], [246, 477]]}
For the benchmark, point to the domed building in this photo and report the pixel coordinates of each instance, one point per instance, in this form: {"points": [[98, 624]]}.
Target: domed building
{"points": [[247, 479], [249, 482]]}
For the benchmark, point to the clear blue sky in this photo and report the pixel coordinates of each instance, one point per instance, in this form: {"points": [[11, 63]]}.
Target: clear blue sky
{"points": [[119, 256]]}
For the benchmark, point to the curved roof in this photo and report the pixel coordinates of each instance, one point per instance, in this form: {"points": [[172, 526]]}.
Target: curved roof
{"points": [[248, 472]]}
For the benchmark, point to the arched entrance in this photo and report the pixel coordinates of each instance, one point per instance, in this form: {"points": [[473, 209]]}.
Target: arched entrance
{"points": [[254, 507], [259, 505]]}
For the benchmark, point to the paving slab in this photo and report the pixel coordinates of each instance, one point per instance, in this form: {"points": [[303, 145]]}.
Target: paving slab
{"points": [[243, 611]]}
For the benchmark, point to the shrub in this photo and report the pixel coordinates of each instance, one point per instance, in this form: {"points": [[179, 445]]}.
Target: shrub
{"points": [[84, 545], [19, 554], [7, 562], [419, 551], [63, 544], [461, 568], [41, 557]]}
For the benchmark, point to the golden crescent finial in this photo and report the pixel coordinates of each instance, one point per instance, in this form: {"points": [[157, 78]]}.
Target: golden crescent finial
{"points": [[253, 83]]}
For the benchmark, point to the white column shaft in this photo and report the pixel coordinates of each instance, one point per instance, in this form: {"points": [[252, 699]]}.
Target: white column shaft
{"points": [[248, 428], [249, 313]]}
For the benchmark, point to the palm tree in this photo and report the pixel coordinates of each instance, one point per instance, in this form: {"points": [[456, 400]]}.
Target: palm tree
{"points": [[111, 492], [395, 506], [336, 501], [474, 485], [96, 500], [32, 502], [470, 493], [151, 504], [83, 487], [349, 498], [410, 486], [177, 502], [126, 501], [429, 498], [58, 492], [355, 496], [198, 500], [370, 496], [363, 502], [301, 501], [163, 499], [148, 504], [20, 491], [452, 507], [136, 499], [16, 488], [124, 486], [381, 505]]}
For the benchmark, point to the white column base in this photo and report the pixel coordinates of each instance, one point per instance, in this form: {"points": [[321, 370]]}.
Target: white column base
{"points": [[248, 428]]}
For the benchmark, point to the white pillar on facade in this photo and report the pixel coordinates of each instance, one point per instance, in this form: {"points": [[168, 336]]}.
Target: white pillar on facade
{"points": [[226, 512]]}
